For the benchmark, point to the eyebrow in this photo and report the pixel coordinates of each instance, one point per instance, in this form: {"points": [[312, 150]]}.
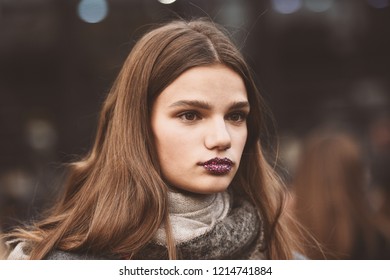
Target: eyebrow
{"points": [[240, 105], [206, 106]]}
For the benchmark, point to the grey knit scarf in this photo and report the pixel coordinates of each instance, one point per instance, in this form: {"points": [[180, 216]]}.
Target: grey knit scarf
{"points": [[210, 227], [192, 215]]}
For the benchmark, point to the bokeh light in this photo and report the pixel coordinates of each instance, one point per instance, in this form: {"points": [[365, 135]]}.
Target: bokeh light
{"points": [[92, 11], [286, 6], [319, 6], [379, 4], [41, 135], [167, 2]]}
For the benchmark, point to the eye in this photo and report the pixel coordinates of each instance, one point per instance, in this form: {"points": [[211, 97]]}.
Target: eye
{"points": [[189, 116], [237, 117]]}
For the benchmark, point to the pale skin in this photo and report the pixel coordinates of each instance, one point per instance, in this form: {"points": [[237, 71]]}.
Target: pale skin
{"points": [[200, 116]]}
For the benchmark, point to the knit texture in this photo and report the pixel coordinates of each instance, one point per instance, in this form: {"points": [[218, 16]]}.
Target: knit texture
{"points": [[192, 215], [237, 236]]}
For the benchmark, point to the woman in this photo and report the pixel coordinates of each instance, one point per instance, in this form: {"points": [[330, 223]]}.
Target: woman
{"points": [[177, 170], [331, 198]]}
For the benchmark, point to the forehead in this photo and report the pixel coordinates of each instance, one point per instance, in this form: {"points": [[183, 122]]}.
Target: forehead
{"points": [[214, 83]]}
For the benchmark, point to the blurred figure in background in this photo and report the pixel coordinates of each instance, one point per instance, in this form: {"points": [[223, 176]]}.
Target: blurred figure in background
{"points": [[331, 199], [379, 143]]}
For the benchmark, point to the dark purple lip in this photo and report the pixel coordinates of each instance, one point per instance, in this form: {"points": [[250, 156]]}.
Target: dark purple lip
{"points": [[218, 166]]}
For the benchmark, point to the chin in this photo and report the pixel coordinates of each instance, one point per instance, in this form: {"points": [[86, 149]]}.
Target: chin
{"points": [[203, 185], [215, 187]]}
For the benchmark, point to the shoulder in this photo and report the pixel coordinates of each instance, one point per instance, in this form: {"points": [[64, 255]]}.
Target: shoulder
{"points": [[20, 250], [298, 256], [63, 255]]}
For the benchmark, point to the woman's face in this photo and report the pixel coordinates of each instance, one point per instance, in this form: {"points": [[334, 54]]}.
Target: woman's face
{"points": [[199, 125]]}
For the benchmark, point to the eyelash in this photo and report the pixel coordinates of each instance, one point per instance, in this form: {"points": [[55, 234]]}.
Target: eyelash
{"points": [[242, 116], [197, 116], [183, 115]]}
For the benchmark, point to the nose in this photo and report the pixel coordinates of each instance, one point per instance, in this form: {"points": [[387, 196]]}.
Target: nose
{"points": [[218, 136]]}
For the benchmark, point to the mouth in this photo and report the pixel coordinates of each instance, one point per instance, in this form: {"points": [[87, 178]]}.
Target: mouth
{"points": [[218, 166]]}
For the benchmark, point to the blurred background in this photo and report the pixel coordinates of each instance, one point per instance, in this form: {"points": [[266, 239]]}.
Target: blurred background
{"points": [[317, 62]]}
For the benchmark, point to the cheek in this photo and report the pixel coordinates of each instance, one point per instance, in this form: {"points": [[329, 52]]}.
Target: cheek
{"points": [[170, 148], [240, 138], [173, 143]]}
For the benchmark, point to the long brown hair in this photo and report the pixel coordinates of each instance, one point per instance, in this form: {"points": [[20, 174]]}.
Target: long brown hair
{"points": [[115, 199]]}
